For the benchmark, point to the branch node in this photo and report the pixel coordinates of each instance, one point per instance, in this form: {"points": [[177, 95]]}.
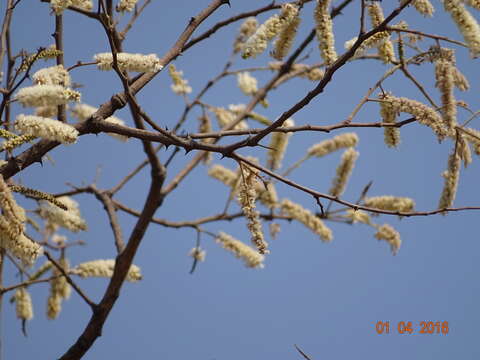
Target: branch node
{"points": [[118, 101]]}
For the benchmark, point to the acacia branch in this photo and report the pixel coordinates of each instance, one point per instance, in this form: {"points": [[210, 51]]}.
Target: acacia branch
{"points": [[317, 195], [5, 26], [301, 128], [221, 24], [36, 152], [322, 84], [122, 265], [200, 221]]}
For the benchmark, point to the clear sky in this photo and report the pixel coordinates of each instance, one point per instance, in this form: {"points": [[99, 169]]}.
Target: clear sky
{"points": [[326, 298]]}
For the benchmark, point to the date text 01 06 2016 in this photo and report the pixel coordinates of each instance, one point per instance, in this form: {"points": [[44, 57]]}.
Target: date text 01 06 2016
{"points": [[409, 327]]}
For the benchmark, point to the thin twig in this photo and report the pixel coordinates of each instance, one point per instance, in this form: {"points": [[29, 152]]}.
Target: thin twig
{"points": [[79, 291]]}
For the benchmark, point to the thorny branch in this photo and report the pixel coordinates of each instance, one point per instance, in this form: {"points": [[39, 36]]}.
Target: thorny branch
{"points": [[158, 191]]}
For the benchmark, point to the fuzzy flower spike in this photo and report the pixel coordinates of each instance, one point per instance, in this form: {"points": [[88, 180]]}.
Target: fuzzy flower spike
{"points": [[104, 268], [257, 43], [278, 146], [46, 128], [251, 257], [46, 95], [12, 227], [129, 62], [180, 85], [385, 47], [466, 23], [324, 31], [247, 196], [308, 219]]}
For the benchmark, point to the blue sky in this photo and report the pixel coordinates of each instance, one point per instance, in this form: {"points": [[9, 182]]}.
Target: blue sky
{"points": [[326, 298]]}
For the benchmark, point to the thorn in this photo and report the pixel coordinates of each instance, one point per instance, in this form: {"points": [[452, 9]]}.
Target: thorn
{"points": [[192, 19], [227, 2], [301, 352], [187, 150]]}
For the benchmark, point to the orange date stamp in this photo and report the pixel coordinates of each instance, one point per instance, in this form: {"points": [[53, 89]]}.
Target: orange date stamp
{"points": [[411, 327]]}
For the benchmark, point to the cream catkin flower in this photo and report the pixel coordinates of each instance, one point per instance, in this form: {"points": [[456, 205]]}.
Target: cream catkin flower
{"points": [[12, 227], [391, 203], [83, 111], [328, 146], [247, 29], [49, 53], [391, 236], [198, 254], [451, 176], [425, 115], [70, 219], [16, 141], [54, 306], [47, 111], [59, 5], [473, 3], [59, 290], [267, 196], [460, 80], [344, 170], [375, 40], [466, 23], [23, 304], [23, 248], [385, 47], [205, 126], [424, 7], [225, 117], [473, 137], [6, 134], [324, 32], [463, 149], [104, 268], [46, 95], [126, 5], [247, 83], [54, 75], [311, 73], [180, 85], [278, 146], [246, 197], [445, 83], [257, 43], [358, 216], [250, 257], [389, 115], [46, 128], [223, 174], [308, 219], [60, 285], [37, 194], [285, 39], [129, 62]]}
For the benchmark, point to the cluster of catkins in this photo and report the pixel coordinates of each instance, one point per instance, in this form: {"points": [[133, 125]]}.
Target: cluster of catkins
{"points": [[250, 188]]}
